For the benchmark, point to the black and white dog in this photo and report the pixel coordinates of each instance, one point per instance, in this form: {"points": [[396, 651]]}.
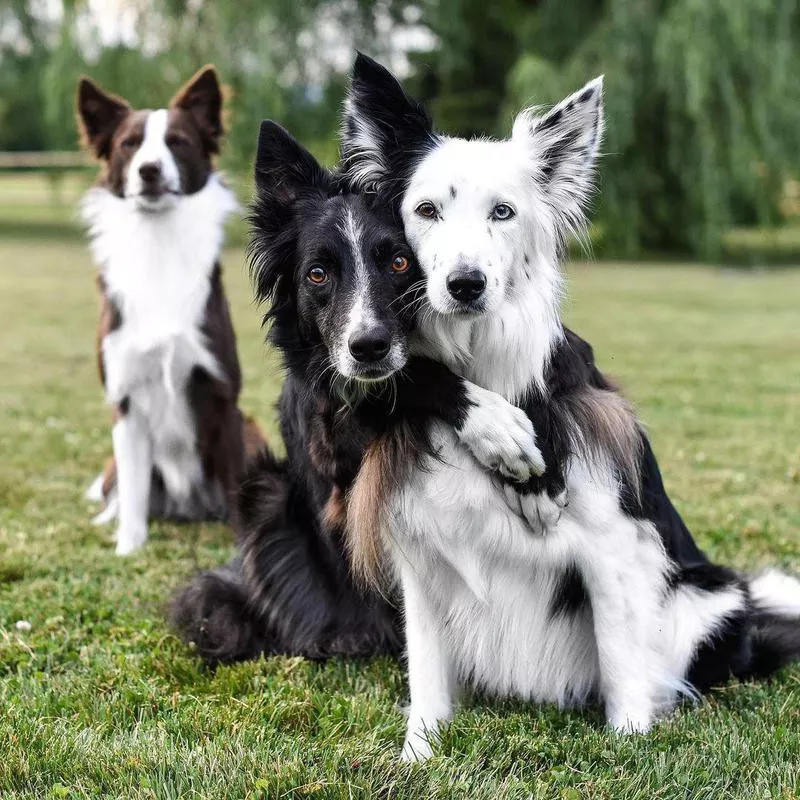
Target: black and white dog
{"points": [[593, 587], [341, 284], [166, 344]]}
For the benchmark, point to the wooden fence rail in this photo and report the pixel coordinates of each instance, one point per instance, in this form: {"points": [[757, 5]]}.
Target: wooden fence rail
{"points": [[53, 160]]}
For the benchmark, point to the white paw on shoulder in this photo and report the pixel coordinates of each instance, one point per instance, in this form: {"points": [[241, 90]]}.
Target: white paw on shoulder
{"points": [[500, 436], [538, 509]]}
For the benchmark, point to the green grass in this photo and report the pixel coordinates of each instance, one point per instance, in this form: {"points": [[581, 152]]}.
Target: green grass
{"points": [[98, 699]]}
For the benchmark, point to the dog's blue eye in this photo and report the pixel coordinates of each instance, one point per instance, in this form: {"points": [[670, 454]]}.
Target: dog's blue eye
{"points": [[503, 211]]}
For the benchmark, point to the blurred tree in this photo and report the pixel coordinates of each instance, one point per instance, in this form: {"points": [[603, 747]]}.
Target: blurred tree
{"points": [[285, 59], [703, 103], [703, 109], [463, 79]]}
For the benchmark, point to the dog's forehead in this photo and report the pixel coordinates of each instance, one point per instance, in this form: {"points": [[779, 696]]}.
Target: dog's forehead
{"points": [[471, 166], [348, 218], [183, 121], [132, 125], [177, 120]]}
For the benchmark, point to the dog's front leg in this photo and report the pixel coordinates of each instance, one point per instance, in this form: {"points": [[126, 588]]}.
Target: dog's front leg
{"points": [[430, 671], [133, 453], [624, 603]]}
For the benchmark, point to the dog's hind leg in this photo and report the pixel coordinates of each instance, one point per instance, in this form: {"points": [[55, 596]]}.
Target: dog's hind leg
{"points": [[133, 453]]}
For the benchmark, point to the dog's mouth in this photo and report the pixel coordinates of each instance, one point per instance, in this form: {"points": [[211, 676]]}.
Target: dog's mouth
{"points": [[473, 309], [463, 310], [374, 373], [369, 373], [156, 197]]}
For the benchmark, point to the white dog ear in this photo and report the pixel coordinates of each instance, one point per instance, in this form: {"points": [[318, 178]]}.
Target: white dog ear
{"points": [[565, 143]]}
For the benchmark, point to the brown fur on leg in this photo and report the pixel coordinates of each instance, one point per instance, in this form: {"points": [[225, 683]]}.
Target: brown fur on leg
{"points": [[386, 466], [254, 439]]}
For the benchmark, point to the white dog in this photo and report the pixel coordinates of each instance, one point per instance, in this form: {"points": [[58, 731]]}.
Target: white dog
{"points": [[592, 587]]}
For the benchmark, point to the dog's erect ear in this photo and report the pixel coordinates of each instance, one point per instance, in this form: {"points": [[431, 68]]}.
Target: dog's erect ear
{"points": [[565, 144], [201, 96], [284, 171], [99, 115], [284, 168], [384, 131]]}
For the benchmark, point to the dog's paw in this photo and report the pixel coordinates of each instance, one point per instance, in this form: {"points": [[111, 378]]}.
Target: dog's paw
{"points": [[94, 494], [631, 719], [130, 539], [417, 747], [108, 514], [541, 511], [500, 436]]}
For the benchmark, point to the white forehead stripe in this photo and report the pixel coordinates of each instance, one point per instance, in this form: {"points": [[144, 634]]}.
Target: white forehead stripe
{"points": [[353, 233], [361, 313], [155, 130]]}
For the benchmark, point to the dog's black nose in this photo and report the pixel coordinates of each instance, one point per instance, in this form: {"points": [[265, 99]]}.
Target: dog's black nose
{"points": [[369, 345], [150, 172], [466, 285]]}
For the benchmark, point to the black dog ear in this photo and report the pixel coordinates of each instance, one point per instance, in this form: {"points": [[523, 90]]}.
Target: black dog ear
{"points": [[99, 115], [384, 131], [202, 97], [284, 168]]}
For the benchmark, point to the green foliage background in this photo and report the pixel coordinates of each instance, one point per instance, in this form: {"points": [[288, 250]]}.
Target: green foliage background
{"points": [[703, 97]]}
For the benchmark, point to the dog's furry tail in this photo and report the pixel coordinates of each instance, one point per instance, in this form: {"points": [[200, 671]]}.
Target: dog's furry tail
{"points": [[213, 615], [775, 598]]}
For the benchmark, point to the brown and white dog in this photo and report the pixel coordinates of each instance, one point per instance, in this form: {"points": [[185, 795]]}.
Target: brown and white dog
{"points": [[166, 345]]}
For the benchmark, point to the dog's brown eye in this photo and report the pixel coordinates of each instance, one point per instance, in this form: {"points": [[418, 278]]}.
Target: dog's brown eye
{"points": [[318, 275], [400, 264], [176, 141], [427, 210], [130, 142]]}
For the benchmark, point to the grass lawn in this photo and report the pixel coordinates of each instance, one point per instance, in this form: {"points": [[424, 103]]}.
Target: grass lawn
{"points": [[98, 699]]}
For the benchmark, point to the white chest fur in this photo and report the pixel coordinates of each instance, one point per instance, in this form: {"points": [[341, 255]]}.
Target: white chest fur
{"points": [[493, 582]]}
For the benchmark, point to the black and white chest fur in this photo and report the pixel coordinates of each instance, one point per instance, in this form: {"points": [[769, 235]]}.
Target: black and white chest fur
{"points": [[584, 584], [166, 346]]}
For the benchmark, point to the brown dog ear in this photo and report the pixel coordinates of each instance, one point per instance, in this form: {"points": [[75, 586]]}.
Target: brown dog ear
{"points": [[99, 115], [201, 96]]}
